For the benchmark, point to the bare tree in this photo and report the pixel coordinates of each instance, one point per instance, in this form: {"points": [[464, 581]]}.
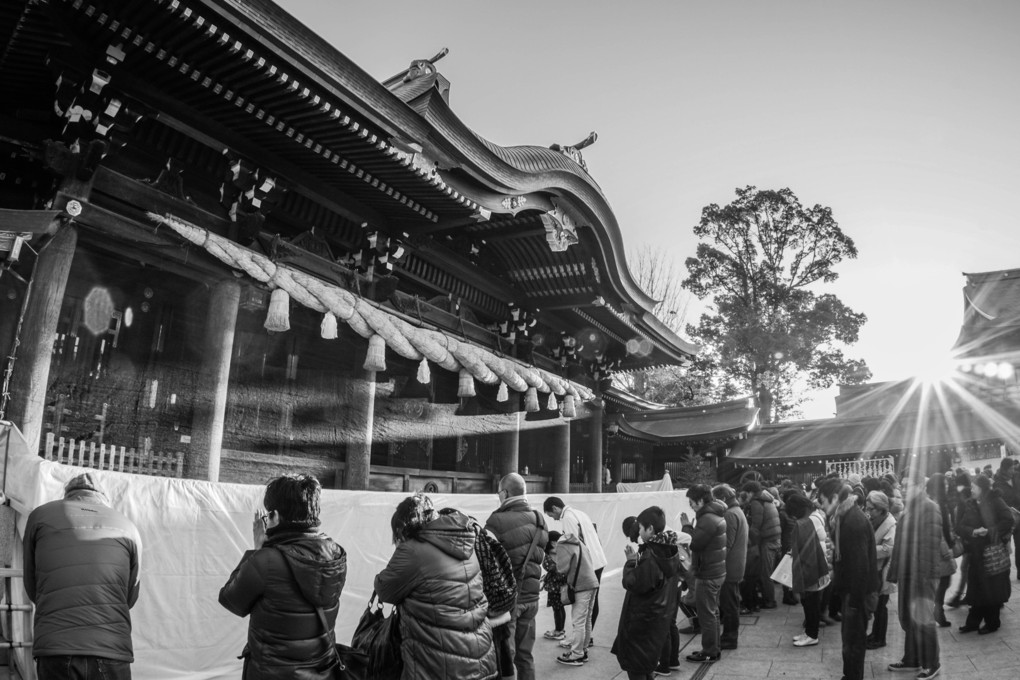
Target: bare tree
{"points": [[662, 278]]}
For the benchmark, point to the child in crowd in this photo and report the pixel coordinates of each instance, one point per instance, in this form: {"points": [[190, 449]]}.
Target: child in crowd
{"points": [[573, 560], [552, 583]]}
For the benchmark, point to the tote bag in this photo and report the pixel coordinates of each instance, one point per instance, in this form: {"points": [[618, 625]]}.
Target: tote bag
{"points": [[783, 573]]}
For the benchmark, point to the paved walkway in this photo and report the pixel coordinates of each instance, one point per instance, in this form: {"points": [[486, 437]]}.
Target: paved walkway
{"points": [[767, 651]]}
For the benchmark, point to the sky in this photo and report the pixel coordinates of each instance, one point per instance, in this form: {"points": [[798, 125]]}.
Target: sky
{"points": [[900, 116]]}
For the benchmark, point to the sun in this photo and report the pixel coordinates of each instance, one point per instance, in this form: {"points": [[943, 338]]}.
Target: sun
{"points": [[938, 370]]}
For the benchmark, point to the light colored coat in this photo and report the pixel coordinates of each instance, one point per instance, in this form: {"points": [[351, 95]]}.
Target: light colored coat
{"points": [[885, 538]]}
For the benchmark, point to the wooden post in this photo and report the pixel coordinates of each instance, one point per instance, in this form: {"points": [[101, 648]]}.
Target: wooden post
{"points": [[594, 458], [361, 406], [559, 449], [213, 381], [506, 445], [32, 364]]}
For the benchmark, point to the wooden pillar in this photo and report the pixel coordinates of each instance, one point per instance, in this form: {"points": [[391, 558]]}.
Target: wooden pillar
{"points": [[32, 362], [214, 382], [362, 421], [506, 445], [594, 458], [559, 449]]}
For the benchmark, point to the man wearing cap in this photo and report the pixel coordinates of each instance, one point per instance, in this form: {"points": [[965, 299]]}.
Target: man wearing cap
{"points": [[82, 573]]}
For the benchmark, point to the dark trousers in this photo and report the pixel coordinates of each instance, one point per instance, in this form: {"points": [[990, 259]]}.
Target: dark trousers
{"points": [[670, 655], [81, 668], [768, 565], [729, 612], [854, 631], [595, 608], [640, 676], [559, 617], [988, 613], [920, 639], [881, 623], [810, 601]]}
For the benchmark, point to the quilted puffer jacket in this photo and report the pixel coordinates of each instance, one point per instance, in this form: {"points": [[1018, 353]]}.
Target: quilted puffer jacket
{"points": [[81, 571], [515, 524], [651, 583], [279, 586], [708, 545], [436, 582]]}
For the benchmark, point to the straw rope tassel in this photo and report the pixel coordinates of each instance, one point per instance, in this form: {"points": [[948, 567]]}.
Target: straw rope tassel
{"points": [[552, 405], [569, 410], [375, 359], [424, 374], [328, 327], [531, 400], [503, 394], [466, 386], [278, 318]]}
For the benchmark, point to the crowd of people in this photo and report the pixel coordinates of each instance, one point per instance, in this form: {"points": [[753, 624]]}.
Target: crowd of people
{"points": [[841, 549]]}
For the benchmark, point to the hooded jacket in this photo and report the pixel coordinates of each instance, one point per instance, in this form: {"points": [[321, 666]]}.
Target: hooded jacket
{"points": [[764, 527], [651, 583], [514, 524], [82, 572], [279, 586], [435, 580], [574, 557], [708, 545]]}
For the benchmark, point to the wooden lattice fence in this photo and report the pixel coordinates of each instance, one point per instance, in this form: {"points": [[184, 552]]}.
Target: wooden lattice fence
{"points": [[868, 467], [108, 457]]}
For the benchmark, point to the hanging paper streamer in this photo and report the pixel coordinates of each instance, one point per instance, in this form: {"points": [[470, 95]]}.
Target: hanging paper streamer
{"points": [[424, 374], [466, 384], [375, 360], [327, 329], [531, 400], [278, 318], [569, 411], [503, 394]]}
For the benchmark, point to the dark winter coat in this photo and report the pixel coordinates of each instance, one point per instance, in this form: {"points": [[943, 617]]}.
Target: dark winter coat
{"points": [[809, 564], [764, 528], [81, 571], [983, 590], [855, 569], [736, 542], [514, 524], [436, 582], [279, 586], [1003, 484], [708, 544], [917, 551], [651, 584]]}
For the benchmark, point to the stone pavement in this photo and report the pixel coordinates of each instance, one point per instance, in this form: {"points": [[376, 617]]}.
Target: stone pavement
{"points": [[767, 651]]}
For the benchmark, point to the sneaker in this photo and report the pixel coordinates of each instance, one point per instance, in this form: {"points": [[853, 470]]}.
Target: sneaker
{"points": [[745, 611], [584, 659], [591, 643], [566, 644], [798, 638], [555, 634], [874, 644], [900, 667], [700, 657], [727, 645], [675, 665], [568, 660], [663, 670], [805, 642], [928, 673]]}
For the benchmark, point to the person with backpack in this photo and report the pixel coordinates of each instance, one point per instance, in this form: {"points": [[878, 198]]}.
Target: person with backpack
{"points": [[573, 558], [522, 533]]}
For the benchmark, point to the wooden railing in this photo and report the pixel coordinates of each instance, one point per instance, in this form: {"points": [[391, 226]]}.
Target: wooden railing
{"points": [[108, 457]]}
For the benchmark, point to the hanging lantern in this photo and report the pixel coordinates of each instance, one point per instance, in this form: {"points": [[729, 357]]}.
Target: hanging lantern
{"points": [[569, 410], [551, 404], [375, 360], [503, 394], [327, 329], [278, 318], [466, 384], [424, 374], [531, 400]]}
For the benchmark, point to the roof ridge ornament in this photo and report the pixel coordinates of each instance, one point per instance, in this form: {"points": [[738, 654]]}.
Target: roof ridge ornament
{"points": [[560, 229], [573, 151]]}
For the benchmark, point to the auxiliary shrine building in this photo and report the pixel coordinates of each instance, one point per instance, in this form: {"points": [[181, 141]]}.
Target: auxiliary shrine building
{"points": [[226, 252]]}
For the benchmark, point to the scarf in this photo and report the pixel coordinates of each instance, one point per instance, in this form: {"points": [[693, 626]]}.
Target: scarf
{"points": [[666, 537]]}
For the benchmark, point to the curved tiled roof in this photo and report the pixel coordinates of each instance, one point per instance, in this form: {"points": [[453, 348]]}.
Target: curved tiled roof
{"points": [[728, 419]]}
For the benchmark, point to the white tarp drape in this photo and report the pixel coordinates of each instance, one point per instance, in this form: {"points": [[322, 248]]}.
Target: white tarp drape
{"points": [[664, 484], [194, 533]]}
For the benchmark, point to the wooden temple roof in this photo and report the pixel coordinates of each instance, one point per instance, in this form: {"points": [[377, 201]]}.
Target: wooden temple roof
{"points": [[684, 425], [488, 225], [991, 316]]}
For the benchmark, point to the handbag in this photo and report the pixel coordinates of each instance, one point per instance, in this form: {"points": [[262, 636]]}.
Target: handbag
{"points": [[957, 547], [378, 636], [783, 572], [996, 558]]}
